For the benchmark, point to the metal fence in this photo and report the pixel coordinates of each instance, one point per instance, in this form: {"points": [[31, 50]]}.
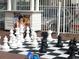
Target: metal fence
{"points": [[69, 15]]}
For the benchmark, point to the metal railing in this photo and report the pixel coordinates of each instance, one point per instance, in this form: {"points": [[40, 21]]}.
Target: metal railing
{"points": [[69, 16]]}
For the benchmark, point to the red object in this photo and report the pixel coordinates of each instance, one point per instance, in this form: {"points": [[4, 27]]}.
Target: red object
{"points": [[76, 26]]}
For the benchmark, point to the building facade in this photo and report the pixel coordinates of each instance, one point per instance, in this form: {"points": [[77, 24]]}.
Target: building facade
{"points": [[15, 8], [48, 13]]}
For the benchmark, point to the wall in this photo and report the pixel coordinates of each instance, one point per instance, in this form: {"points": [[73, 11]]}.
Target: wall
{"points": [[8, 20]]}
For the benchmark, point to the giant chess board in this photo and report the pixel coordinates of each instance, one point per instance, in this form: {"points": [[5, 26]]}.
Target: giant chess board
{"points": [[21, 45], [52, 51]]}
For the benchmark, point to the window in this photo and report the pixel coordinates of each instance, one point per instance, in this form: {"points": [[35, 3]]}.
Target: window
{"points": [[23, 5], [3, 5]]}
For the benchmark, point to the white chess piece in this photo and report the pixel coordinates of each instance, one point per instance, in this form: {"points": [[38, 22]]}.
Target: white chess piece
{"points": [[33, 35], [13, 42], [11, 32], [28, 38], [11, 36], [19, 44], [21, 32], [49, 38], [5, 45], [22, 37], [17, 31], [18, 34], [22, 28], [35, 43], [34, 38]]}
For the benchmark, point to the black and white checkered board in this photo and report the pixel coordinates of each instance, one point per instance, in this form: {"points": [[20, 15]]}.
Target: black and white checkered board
{"points": [[52, 51]]}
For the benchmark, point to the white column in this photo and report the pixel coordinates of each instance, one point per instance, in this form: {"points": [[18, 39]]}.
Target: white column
{"points": [[37, 5], [58, 29], [77, 6], [32, 5], [14, 4], [9, 5], [77, 1]]}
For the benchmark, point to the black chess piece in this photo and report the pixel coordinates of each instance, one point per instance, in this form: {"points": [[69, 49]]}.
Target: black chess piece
{"points": [[78, 52], [44, 44], [59, 43], [71, 52], [72, 49], [72, 42], [30, 32]]}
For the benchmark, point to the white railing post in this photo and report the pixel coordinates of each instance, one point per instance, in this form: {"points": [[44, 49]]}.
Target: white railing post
{"points": [[64, 19], [77, 12], [32, 5], [9, 5], [59, 11]]}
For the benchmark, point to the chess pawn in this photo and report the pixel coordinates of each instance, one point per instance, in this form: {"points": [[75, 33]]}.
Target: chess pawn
{"points": [[5, 40], [19, 44], [11, 39], [11, 32], [5, 45], [13, 45], [59, 43], [35, 43], [49, 36], [13, 42], [72, 42], [44, 44], [27, 38], [11, 36]]}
